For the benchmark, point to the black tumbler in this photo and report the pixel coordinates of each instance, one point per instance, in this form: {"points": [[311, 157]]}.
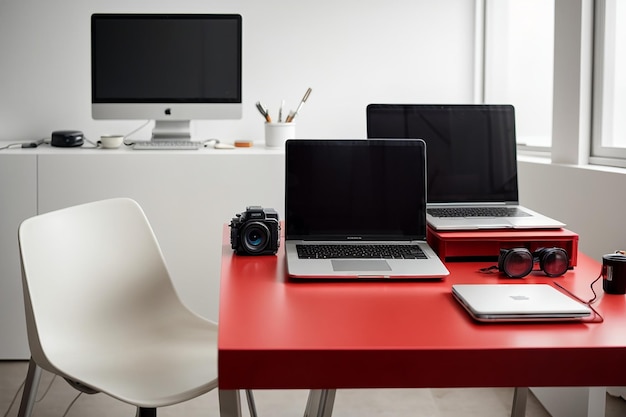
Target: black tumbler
{"points": [[614, 273]]}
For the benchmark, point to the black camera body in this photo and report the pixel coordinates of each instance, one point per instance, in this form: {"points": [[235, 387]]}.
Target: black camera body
{"points": [[256, 231]]}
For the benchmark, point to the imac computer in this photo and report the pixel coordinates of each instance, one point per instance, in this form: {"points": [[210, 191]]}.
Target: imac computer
{"points": [[170, 68]]}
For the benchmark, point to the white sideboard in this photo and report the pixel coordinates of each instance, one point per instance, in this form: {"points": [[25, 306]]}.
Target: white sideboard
{"points": [[187, 195], [18, 200]]}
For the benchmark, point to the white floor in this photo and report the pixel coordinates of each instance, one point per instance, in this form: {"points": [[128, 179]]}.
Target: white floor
{"points": [[55, 396]]}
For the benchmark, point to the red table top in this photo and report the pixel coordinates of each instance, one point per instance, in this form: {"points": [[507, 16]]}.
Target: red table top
{"points": [[276, 333]]}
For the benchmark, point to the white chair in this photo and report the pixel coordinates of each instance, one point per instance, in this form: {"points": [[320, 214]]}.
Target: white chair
{"points": [[102, 311]]}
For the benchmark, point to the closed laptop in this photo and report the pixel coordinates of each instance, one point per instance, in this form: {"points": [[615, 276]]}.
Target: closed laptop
{"points": [[518, 302]]}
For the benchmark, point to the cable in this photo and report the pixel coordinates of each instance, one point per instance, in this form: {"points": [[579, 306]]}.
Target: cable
{"points": [[31, 144], [47, 389], [34, 144], [213, 141], [11, 145], [71, 404], [36, 400], [14, 398], [135, 131], [41, 398], [595, 296], [597, 316], [94, 145], [590, 301]]}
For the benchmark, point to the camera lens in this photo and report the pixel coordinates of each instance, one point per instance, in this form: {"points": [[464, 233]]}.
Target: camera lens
{"points": [[255, 237]]}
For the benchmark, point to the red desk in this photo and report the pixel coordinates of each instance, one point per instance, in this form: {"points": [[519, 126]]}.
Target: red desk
{"points": [[278, 334]]}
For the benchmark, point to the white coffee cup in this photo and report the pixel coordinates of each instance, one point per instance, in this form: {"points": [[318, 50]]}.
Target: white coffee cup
{"points": [[111, 141], [277, 133]]}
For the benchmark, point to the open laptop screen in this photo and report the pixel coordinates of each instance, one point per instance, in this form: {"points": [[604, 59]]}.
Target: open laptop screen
{"points": [[471, 149], [355, 190]]}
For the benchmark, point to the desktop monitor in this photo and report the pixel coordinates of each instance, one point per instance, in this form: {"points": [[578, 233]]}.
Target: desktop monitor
{"points": [[170, 68]]}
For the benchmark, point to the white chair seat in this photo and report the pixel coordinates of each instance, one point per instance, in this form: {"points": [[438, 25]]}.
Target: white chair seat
{"points": [[175, 368]]}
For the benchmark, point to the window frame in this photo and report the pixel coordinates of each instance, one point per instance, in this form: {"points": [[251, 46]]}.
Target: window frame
{"points": [[579, 74], [604, 73], [490, 21]]}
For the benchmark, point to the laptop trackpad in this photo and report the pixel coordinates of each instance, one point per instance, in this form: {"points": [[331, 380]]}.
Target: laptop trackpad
{"points": [[360, 265]]}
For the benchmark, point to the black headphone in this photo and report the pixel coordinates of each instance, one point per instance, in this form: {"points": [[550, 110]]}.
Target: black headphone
{"points": [[519, 262]]}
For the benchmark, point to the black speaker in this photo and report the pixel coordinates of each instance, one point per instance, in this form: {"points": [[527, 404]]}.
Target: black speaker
{"points": [[67, 138]]}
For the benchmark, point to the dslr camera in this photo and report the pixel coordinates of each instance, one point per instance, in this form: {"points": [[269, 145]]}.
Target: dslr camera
{"points": [[256, 231]]}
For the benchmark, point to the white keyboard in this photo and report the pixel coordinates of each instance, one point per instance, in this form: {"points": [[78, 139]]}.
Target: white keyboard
{"points": [[168, 145]]}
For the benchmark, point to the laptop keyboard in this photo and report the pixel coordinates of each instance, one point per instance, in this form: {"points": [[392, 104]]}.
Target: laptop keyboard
{"points": [[360, 251], [168, 145], [477, 212]]}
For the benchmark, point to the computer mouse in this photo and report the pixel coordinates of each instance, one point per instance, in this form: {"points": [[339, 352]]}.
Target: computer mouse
{"points": [[220, 145]]}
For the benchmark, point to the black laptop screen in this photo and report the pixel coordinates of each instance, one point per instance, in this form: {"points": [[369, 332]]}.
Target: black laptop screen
{"points": [[355, 190], [471, 149]]}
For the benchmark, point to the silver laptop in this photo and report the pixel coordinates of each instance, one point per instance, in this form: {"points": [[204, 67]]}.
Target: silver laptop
{"points": [[518, 302], [356, 209], [472, 163]]}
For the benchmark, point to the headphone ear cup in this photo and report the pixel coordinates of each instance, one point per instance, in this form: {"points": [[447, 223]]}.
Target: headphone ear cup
{"points": [[516, 262], [501, 258], [554, 262]]}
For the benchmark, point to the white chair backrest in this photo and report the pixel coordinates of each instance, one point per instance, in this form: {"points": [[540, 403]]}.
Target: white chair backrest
{"points": [[91, 273]]}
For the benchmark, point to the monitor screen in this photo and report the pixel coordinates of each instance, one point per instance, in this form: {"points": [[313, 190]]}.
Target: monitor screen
{"points": [[166, 67]]}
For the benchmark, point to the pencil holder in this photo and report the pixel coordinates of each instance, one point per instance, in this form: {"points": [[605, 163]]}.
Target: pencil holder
{"points": [[277, 133]]}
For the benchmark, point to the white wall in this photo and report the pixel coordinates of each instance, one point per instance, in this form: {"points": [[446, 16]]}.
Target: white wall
{"points": [[351, 52], [591, 201]]}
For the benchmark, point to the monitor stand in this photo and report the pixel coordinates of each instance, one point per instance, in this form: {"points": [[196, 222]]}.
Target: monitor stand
{"points": [[171, 130]]}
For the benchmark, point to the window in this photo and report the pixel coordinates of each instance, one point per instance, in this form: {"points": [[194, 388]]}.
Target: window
{"points": [[519, 55], [609, 118]]}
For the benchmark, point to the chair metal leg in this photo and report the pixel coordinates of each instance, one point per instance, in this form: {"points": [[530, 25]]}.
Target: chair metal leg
{"points": [[251, 403], [320, 403], [520, 398], [30, 389], [146, 412], [230, 403]]}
